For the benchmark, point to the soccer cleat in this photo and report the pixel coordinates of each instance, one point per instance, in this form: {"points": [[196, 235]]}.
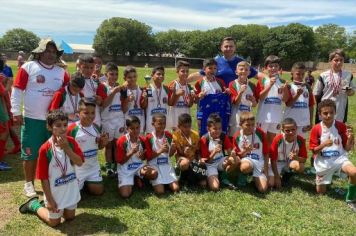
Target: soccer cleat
{"points": [[25, 208], [286, 178], [352, 205], [29, 190], [4, 166]]}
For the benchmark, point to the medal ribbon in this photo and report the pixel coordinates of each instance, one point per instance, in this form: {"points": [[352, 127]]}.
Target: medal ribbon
{"points": [[62, 167], [187, 93], [284, 150], [335, 82], [158, 95], [74, 104]]}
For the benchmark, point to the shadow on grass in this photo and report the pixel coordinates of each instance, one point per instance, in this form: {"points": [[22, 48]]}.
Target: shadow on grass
{"points": [[88, 224]]}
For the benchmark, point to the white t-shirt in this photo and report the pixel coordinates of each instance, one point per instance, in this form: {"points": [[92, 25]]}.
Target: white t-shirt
{"points": [[113, 112], [134, 108]]}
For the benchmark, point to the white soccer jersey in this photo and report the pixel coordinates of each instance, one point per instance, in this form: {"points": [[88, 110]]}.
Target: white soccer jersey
{"points": [[325, 86], [134, 108], [210, 87], [113, 112], [90, 91]]}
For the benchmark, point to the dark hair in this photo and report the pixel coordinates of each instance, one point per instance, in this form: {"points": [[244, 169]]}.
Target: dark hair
{"points": [[326, 103], [129, 69], [130, 120], [298, 66], [86, 102], [184, 118], [209, 62], [246, 116], [213, 119], [53, 116], [272, 59], [95, 54], [339, 52], [77, 80], [227, 39], [86, 58], [181, 63], [111, 66], [288, 121], [157, 68], [158, 116]]}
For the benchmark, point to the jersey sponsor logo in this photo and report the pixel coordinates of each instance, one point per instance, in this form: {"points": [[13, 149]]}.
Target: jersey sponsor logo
{"points": [[254, 156], [136, 112], [134, 166], [299, 105], [162, 160], [46, 92], [243, 107], [91, 153], [64, 180], [159, 110], [114, 108], [273, 100], [330, 153], [181, 104], [40, 79]]}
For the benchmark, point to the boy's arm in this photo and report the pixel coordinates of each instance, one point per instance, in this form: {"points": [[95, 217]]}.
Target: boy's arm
{"points": [[57, 101], [51, 203], [314, 142], [144, 99], [292, 99], [194, 77], [173, 94], [121, 155], [101, 94], [108, 100], [263, 90], [75, 155]]}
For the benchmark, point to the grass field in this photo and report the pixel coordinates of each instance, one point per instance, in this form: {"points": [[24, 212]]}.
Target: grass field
{"points": [[295, 210]]}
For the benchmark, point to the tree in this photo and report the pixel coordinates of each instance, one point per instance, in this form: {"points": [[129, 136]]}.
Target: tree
{"points": [[329, 37], [200, 44], [120, 36], [169, 42], [351, 46], [19, 40], [294, 42]]}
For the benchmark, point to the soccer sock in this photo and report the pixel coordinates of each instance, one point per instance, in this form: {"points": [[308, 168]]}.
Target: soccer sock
{"points": [[34, 205], [108, 165], [2, 149], [351, 193]]}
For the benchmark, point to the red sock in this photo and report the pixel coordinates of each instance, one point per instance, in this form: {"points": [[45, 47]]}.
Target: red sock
{"points": [[15, 139], [2, 149]]}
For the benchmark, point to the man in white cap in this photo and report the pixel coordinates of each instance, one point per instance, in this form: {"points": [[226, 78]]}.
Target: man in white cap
{"points": [[35, 84]]}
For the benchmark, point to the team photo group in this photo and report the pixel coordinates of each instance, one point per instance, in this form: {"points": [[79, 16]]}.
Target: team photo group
{"points": [[249, 122]]}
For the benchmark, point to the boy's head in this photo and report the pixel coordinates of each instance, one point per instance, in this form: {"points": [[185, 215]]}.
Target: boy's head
{"points": [[111, 72], [210, 67], [289, 128], [214, 125], [247, 122], [159, 121], [272, 64], [243, 69], [298, 71], [182, 69], [133, 125], [57, 122], [158, 74], [98, 62], [185, 123], [327, 110], [87, 111], [130, 75], [336, 58], [76, 83], [86, 65]]}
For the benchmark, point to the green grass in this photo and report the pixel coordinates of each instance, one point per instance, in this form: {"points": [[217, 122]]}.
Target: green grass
{"points": [[296, 210]]}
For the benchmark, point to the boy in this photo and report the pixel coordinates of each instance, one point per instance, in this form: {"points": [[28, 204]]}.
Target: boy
{"points": [[88, 136], [67, 98], [215, 150], [335, 84], [309, 79], [330, 140], [243, 96], [251, 145], [300, 104], [55, 169], [4, 121], [288, 151], [161, 147], [112, 114], [187, 156], [272, 91], [155, 98], [98, 64], [210, 92], [130, 156], [92, 88], [134, 93], [181, 95]]}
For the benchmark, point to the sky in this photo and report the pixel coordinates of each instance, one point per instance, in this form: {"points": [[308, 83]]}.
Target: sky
{"points": [[76, 21]]}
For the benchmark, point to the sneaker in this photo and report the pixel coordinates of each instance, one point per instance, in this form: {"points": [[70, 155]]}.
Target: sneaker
{"points": [[29, 190], [286, 178], [25, 208], [352, 205], [4, 166]]}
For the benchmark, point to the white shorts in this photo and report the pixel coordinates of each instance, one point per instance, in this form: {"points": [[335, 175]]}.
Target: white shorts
{"points": [[57, 215], [114, 130], [213, 168], [324, 176], [91, 175], [257, 166], [126, 176], [166, 173], [270, 127], [281, 165]]}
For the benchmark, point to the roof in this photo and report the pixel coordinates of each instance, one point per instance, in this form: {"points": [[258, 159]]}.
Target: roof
{"points": [[81, 48]]}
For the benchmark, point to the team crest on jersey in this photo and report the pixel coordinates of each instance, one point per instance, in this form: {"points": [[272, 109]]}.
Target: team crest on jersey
{"points": [[28, 151], [40, 79], [305, 94], [256, 145], [164, 100], [336, 141]]}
